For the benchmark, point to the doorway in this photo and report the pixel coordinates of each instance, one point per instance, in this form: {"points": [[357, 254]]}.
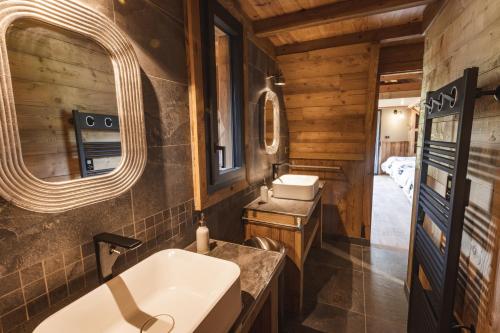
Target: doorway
{"points": [[394, 167]]}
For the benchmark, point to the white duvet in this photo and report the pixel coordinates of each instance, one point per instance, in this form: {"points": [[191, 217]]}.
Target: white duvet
{"points": [[395, 161], [402, 170]]}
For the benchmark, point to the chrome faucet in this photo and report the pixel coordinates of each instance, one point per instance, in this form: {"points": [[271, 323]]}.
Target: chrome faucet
{"points": [[106, 252]]}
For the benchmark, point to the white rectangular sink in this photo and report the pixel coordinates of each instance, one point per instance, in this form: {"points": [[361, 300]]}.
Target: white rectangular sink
{"points": [[297, 187], [171, 291]]}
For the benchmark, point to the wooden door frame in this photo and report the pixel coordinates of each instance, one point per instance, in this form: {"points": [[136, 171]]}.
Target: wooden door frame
{"points": [[378, 128], [370, 129]]}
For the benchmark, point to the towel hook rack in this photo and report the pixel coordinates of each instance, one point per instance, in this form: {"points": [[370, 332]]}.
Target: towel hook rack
{"points": [[495, 93]]}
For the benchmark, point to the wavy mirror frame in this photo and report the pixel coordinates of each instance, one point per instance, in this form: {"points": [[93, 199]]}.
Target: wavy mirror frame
{"points": [[17, 184], [273, 148]]}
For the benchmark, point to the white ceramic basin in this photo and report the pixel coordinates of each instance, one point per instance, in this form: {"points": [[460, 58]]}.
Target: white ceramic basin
{"points": [[200, 293], [297, 187]]}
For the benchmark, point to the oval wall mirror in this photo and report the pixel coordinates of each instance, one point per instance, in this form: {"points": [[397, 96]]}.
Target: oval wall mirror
{"points": [[72, 129], [271, 122]]}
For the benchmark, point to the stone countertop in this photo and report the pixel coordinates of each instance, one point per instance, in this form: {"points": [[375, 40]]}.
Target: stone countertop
{"points": [[287, 206], [257, 266]]}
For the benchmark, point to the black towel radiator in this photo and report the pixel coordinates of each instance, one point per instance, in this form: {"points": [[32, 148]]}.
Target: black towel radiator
{"points": [[431, 303], [88, 151]]}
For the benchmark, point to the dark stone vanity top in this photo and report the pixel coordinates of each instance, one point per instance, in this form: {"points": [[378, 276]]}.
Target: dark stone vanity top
{"points": [[287, 206], [258, 267]]}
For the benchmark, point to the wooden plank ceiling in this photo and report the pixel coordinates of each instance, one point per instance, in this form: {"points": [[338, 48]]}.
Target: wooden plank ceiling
{"points": [[303, 25], [297, 26]]}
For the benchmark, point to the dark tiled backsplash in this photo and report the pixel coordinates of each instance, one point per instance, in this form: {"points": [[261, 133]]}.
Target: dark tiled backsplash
{"points": [[54, 279], [39, 288]]}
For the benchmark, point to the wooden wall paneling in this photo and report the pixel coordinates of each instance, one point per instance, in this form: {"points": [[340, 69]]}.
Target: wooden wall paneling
{"points": [[411, 89], [348, 81], [431, 12], [399, 94], [370, 130], [414, 76], [401, 58], [400, 90], [196, 101], [350, 97], [451, 41], [327, 156], [224, 113], [326, 54], [413, 131], [392, 148], [342, 195], [321, 67], [330, 103], [322, 137], [326, 119]]}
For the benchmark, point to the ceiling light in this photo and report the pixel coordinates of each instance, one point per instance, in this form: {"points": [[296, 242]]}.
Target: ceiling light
{"points": [[279, 80]]}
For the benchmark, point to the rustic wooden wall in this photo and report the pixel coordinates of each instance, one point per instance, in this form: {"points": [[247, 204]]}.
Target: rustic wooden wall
{"points": [[223, 76], [392, 148], [400, 58], [329, 97], [269, 122], [53, 72], [465, 35], [413, 132]]}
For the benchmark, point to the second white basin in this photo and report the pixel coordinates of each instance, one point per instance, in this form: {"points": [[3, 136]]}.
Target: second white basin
{"points": [[297, 187], [171, 291]]}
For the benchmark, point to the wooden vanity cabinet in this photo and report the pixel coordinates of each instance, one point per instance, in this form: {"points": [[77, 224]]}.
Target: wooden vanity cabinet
{"points": [[296, 224]]}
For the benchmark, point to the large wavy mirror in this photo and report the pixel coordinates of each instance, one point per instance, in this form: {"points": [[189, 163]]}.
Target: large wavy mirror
{"points": [[74, 129], [271, 122], [65, 99]]}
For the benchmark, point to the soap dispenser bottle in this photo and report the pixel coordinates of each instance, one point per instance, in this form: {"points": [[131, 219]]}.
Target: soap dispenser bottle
{"points": [[264, 192], [202, 237]]}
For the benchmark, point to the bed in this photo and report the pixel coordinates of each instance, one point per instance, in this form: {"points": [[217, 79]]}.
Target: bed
{"points": [[402, 171]]}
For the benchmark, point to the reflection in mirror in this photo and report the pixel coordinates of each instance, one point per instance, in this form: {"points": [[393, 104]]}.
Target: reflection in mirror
{"points": [[271, 122], [224, 103], [65, 99], [269, 125]]}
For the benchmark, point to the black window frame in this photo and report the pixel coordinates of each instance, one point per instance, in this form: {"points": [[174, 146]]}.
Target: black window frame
{"points": [[213, 14]]}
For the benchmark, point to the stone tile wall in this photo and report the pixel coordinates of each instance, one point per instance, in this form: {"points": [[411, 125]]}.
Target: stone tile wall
{"points": [[48, 260]]}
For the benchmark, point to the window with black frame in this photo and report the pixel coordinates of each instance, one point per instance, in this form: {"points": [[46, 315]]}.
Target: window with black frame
{"points": [[223, 77]]}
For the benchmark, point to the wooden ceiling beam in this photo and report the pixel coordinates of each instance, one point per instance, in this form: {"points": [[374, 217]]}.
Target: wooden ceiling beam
{"points": [[400, 87], [400, 94], [409, 30], [334, 12], [431, 12], [418, 75], [401, 58], [400, 90]]}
